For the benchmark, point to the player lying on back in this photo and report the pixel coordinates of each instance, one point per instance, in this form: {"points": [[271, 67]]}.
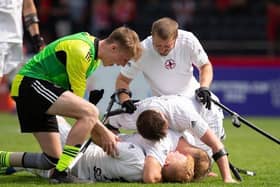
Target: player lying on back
{"points": [[128, 165]]}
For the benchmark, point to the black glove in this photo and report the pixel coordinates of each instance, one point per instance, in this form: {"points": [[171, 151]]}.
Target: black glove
{"points": [[129, 106], [95, 96], [204, 96], [38, 42], [112, 128]]}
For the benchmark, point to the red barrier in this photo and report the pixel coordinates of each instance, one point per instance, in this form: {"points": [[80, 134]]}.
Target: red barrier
{"points": [[7, 104], [245, 61]]}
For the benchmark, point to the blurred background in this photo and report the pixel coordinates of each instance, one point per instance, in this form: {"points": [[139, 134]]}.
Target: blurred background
{"points": [[224, 27], [241, 37]]}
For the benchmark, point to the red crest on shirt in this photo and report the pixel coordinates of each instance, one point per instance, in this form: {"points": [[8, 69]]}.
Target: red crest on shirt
{"points": [[169, 64]]}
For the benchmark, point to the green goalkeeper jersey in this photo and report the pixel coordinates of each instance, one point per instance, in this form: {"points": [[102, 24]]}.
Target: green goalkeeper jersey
{"points": [[66, 62]]}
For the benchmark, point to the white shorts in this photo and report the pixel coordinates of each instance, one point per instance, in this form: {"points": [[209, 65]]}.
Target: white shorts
{"points": [[214, 118], [11, 55]]}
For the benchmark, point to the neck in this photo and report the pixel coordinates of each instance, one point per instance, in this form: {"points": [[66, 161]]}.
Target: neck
{"points": [[101, 50]]}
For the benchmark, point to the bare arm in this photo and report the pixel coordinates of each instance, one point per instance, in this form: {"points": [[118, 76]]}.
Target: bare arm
{"points": [[29, 8], [152, 170], [211, 140], [31, 21], [206, 75], [123, 82], [105, 138]]}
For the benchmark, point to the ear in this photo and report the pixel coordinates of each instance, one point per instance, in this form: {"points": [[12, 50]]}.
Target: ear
{"points": [[166, 163], [114, 46]]}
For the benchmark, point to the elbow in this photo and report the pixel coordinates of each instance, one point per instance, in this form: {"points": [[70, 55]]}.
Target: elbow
{"points": [[122, 81], [152, 179]]}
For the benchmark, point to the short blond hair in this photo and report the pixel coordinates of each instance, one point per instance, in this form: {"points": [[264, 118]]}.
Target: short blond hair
{"points": [[128, 40], [202, 164], [165, 28], [180, 171]]}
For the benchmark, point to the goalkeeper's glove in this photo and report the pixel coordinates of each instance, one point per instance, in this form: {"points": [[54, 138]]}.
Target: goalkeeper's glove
{"points": [[129, 106], [95, 96]]}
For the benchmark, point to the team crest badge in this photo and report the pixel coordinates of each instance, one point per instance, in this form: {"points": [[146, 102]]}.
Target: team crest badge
{"points": [[169, 64]]}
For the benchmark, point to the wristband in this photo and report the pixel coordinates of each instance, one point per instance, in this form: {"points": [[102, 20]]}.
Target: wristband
{"points": [[123, 90], [30, 19], [222, 152], [112, 128]]}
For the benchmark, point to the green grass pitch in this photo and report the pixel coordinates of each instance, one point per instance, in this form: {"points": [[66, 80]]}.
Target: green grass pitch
{"points": [[248, 150]]}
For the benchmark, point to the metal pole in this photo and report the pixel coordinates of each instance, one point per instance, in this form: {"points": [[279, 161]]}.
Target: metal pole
{"points": [[246, 122]]}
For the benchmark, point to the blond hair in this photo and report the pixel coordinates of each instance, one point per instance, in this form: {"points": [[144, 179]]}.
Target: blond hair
{"points": [[128, 40], [180, 171], [202, 164], [165, 28]]}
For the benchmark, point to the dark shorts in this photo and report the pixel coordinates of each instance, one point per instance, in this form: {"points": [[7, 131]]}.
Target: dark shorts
{"points": [[34, 99]]}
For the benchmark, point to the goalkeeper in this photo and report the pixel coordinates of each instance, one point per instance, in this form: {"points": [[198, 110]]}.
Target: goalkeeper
{"points": [[53, 83]]}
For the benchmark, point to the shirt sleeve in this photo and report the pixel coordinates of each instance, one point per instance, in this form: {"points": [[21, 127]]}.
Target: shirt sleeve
{"points": [[159, 150], [126, 121], [77, 64], [198, 55], [184, 117], [196, 125], [131, 69]]}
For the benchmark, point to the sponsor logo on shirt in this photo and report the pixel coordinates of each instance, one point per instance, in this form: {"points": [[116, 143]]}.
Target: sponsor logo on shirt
{"points": [[169, 64], [193, 123], [88, 56], [131, 146]]}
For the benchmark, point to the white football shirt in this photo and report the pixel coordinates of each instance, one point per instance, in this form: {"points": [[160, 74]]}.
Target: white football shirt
{"points": [[11, 28], [96, 165], [182, 113], [156, 149], [171, 74]]}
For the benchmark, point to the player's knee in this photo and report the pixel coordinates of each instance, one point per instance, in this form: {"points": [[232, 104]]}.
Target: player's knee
{"points": [[91, 114]]}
